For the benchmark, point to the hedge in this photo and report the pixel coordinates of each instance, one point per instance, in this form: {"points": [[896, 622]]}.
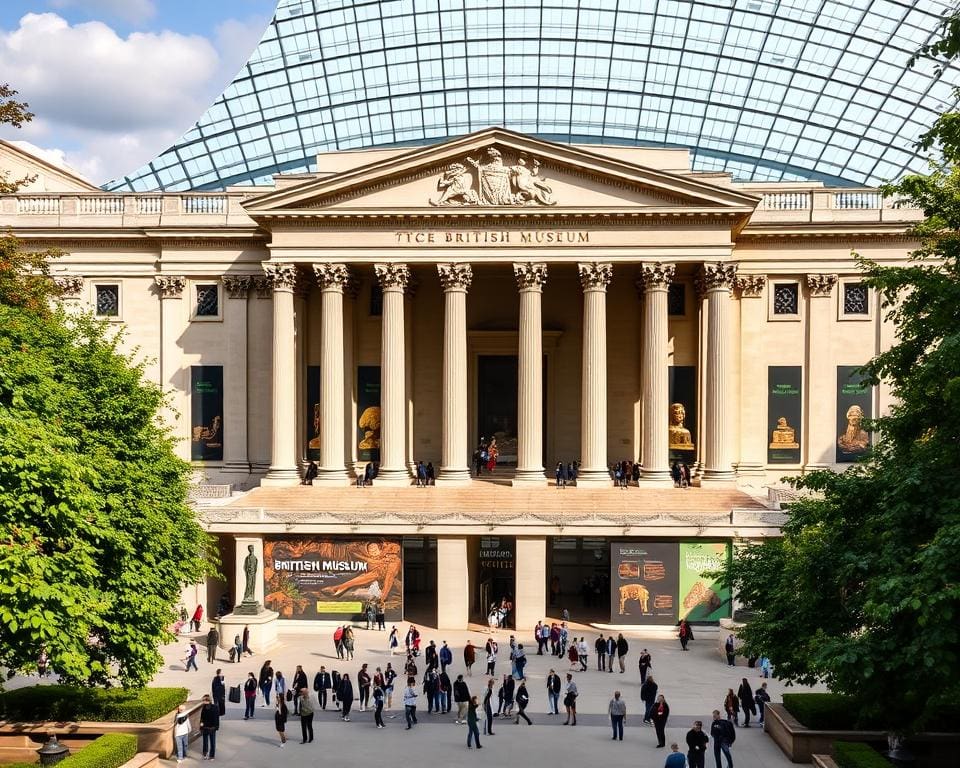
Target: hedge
{"points": [[857, 755], [823, 711], [114, 705], [109, 751]]}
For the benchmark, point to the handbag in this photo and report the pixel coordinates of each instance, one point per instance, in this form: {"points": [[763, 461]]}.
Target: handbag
{"points": [[568, 700], [289, 695], [235, 694]]}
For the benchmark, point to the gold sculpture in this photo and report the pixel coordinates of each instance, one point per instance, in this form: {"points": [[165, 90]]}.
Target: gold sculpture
{"points": [[370, 424], [679, 435], [854, 438], [314, 443], [784, 436]]}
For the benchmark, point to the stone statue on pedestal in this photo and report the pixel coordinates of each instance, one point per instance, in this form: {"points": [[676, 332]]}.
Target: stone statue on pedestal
{"points": [[249, 606]]}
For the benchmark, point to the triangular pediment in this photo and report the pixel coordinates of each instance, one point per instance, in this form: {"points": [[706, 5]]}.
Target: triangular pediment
{"points": [[498, 170]]}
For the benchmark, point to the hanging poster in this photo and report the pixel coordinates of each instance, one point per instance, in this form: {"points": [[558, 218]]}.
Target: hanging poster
{"points": [[784, 411], [206, 412], [313, 412], [312, 577], [683, 413], [368, 410], [702, 598], [643, 582], [854, 406]]}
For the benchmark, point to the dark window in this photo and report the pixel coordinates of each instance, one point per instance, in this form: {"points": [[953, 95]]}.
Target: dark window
{"points": [[855, 301], [376, 299], [208, 300], [677, 299], [108, 301], [786, 299]]}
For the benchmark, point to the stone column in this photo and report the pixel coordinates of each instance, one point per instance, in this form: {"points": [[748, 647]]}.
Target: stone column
{"points": [[283, 454], [350, 291], [393, 402], [821, 432], [409, 336], [531, 579], [453, 587], [236, 412], [718, 281], [594, 278], [655, 279], [531, 278], [332, 465], [456, 280], [173, 378], [753, 377]]}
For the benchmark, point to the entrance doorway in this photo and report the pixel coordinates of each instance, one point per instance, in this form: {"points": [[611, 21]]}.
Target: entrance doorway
{"points": [[497, 404], [420, 580], [578, 573], [496, 578]]}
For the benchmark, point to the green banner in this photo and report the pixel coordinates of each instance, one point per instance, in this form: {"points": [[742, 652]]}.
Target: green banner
{"points": [[206, 412], [702, 598], [854, 405], [784, 411]]}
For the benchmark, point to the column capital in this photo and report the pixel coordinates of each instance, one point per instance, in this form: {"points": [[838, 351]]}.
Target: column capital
{"points": [[282, 277], [351, 288], [331, 276], [395, 276], [237, 286], [261, 284], [455, 277], [718, 277], [655, 276], [821, 286], [751, 286], [530, 275], [595, 276], [70, 286], [170, 286]]}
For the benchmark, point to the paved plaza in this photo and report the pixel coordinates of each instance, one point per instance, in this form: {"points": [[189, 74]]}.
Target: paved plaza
{"points": [[694, 683]]}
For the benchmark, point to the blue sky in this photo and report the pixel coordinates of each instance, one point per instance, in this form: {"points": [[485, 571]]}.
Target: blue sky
{"points": [[115, 82]]}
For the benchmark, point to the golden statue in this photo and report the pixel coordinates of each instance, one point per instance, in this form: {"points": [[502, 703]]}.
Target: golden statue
{"points": [[784, 436], [314, 443], [679, 434], [854, 438], [370, 424]]}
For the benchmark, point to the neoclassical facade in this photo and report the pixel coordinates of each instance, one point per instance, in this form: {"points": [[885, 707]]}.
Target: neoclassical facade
{"points": [[595, 304]]}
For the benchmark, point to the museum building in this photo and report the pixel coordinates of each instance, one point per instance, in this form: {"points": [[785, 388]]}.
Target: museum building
{"points": [[566, 301]]}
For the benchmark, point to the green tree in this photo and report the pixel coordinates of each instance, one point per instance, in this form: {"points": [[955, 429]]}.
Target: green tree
{"points": [[862, 592], [15, 113]]}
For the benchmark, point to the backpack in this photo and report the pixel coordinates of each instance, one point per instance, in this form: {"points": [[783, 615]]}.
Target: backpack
{"points": [[338, 635]]}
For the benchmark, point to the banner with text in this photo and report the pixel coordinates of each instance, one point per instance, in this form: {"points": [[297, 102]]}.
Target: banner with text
{"points": [[703, 598], [784, 411], [854, 405], [643, 582], [206, 413]]}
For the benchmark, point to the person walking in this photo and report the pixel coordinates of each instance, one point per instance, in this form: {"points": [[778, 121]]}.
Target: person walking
{"points": [[237, 651], [697, 742], [648, 695], [731, 705], [363, 682], [488, 710], [245, 643], [181, 733], [213, 639], [675, 759], [322, 684], [378, 697], [280, 720], [646, 662], [660, 714], [306, 717], [723, 734], [446, 689], [410, 702], [196, 619], [461, 697], [617, 709], [473, 733], [299, 683], [338, 641], [266, 682], [209, 725], [622, 649], [570, 701], [389, 676], [348, 642], [249, 695], [730, 647], [469, 657], [762, 698], [191, 660], [335, 687], [491, 660], [345, 694], [523, 699], [583, 653], [553, 693], [392, 640], [218, 690], [600, 646]]}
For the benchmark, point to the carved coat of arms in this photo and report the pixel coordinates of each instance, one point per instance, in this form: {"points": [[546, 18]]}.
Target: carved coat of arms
{"points": [[494, 183]]}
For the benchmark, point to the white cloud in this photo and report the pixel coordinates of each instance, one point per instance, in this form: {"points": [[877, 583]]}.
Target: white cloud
{"points": [[132, 11]]}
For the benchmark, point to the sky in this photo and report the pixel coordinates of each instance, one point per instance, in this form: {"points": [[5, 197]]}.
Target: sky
{"points": [[112, 83]]}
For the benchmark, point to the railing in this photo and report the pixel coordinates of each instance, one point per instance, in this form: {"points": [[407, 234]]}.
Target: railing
{"points": [[38, 206], [857, 200], [785, 201], [215, 204], [149, 206], [101, 206]]}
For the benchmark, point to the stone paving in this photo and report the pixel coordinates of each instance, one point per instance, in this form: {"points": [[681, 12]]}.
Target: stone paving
{"points": [[694, 683]]}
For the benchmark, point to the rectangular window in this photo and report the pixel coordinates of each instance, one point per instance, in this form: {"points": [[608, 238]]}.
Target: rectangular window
{"points": [[107, 300], [785, 301], [855, 299], [208, 300]]}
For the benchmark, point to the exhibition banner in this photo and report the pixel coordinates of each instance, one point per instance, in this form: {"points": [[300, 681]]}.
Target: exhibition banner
{"points": [[206, 413], [313, 420], [368, 413], [854, 406], [683, 413], [784, 412], [703, 598], [312, 577], [643, 582]]}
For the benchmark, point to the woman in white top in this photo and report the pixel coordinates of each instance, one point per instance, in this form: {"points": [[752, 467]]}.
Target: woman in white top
{"points": [[410, 702], [570, 701], [181, 733]]}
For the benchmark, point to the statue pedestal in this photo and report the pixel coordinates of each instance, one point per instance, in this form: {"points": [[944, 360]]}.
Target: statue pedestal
{"points": [[263, 629]]}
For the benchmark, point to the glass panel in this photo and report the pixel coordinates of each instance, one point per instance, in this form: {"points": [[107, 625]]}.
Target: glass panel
{"points": [[786, 299], [108, 300], [855, 299], [208, 300]]}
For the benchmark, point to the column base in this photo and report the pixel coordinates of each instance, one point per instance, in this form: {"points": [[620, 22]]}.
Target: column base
{"points": [[393, 478], [718, 476], [454, 476], [655, 475], [332, 477], [751, 469], [529, 477], [593, 478], [280, 476], [263, 629]]}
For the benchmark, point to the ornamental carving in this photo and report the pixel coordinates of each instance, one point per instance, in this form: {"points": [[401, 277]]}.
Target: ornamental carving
{"points": [[493, 183], [282, 277], [455, 276], [351, 288], [392, 275], [595, 276], [70, 286], [821, 285], [261, 284], [530, 275], [718, 277], [170, 286], [655, 276], [332, 276], [751, 286], [237, 286]]}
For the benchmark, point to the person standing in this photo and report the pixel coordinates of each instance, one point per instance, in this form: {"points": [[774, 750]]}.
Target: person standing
{"points": [[446, 657], [322, 684], [600, 646], [446, 688], [218, 690], [730, 647], [345, 694], [570, 701], [237, 649], [488, 710], [378, 696], [523, 699], [363, 682], [646, 662], [306, 717], [473, 733], [461, 697], [660, 714], [583, 653], [469, 657], [553, 693], [519, 661], [266, 682], [392, 641], [197, 618], [348, 642], [381, 616], [389, 676], [684, 634], [675, 759], [491, 660], [245, 643], [611, 652], [622, 649], [213, 638], [335, 687], [181, 733], [761, 697], [747, 703], [731, 705], [338, 641], [410, 702], [280, 720], [723, 734], [249, 695], [648, 695], [209, 725], [299, 684], [279, 685], [617, 709], [697, 742]]}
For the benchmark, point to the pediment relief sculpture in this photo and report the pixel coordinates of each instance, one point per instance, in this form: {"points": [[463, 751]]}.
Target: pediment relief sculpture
{"points": [[491, 182]]}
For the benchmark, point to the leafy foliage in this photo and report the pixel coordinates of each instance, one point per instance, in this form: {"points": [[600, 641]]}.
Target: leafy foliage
{"points": [[849, 754], [15, 113], [65, 704], [824, 711], [25, 276]]}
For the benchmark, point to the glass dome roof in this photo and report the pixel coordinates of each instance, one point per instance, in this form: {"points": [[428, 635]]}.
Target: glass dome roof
{"points": [[767, 90]]}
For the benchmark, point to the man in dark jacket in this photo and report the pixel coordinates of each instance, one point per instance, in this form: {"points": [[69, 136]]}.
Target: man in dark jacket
{"points": [[648, 695], [266, 681], [446, 688], [697, 742], [762, 698], [209, 725], [747, 704], [430, 656], [723, 735], [335, 687], [488, 709], [322, 684], [553, 692], [522, 699], [363, 682], [461, 697], [601, 648], [213, 638], [218, 689], [446, 657], [611, 652], [622, 649], [345, 694], [299, 684]]}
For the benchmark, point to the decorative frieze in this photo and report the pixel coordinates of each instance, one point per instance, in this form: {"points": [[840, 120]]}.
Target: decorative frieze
{"points": [[751, 286], [170, 286], [392, 275], [821, 285], [655, 276], [718, 277], [70, 286], [282, 277], [530, 275], [237, 286], [332, 276], [455, 276]]}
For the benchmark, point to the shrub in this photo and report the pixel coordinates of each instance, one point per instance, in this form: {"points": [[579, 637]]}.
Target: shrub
{"points": [[823, 711], [109, 751], [64, 703], [853, 755]]}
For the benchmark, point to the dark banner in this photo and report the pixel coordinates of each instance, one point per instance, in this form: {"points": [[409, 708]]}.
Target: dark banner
{"points": [[784, 411], [313, 412], [854, 405], [206, 413], [368, 413], [311, 577], [683, 413], [644, 580]]}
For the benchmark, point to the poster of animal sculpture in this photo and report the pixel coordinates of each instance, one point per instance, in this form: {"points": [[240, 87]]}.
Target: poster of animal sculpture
{"points": [[644, 582]]}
